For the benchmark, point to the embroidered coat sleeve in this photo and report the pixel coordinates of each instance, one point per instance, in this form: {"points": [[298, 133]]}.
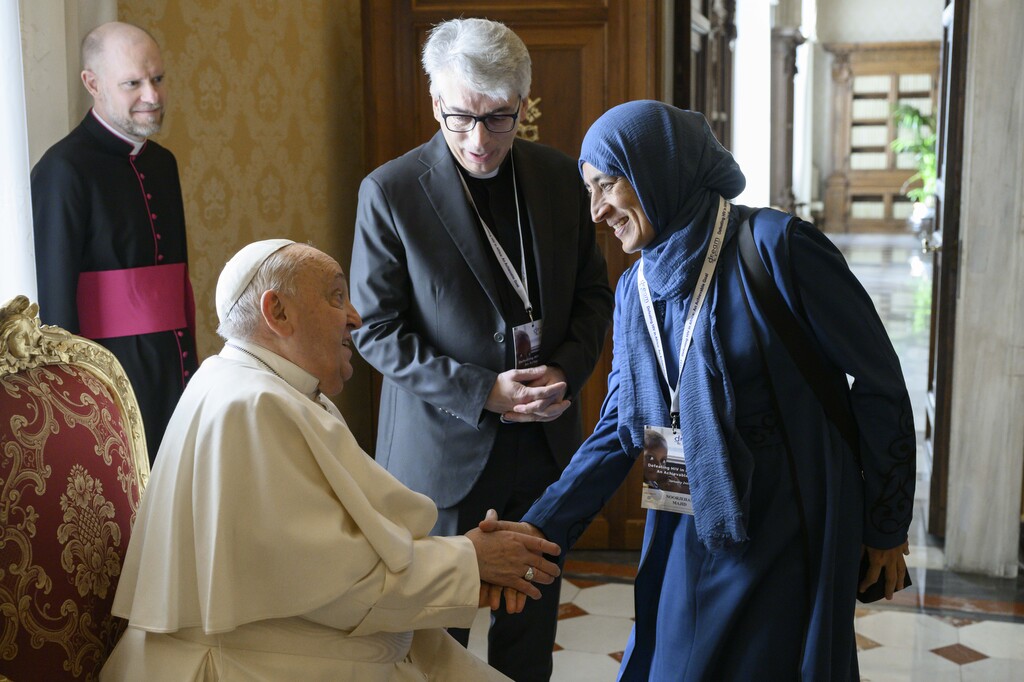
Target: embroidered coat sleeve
{"points": [[847, 326]]}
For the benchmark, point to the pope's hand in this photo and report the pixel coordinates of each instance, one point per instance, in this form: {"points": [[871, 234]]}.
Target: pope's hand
{"points": [[505, 558]]}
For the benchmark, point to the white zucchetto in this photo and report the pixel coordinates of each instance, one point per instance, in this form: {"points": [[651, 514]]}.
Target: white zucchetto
{"points": [[240, 270]]}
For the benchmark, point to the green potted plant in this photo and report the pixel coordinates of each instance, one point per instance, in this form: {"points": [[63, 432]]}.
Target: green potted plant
{"points": [[917, 136]]}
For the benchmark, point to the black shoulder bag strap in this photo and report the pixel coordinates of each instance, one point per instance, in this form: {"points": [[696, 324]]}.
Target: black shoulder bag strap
{"points": [[801, 349], [794, 477], [813, 368]]}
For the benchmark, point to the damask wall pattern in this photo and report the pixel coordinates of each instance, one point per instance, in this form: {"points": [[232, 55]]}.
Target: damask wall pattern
{"points": [[265, 118]]}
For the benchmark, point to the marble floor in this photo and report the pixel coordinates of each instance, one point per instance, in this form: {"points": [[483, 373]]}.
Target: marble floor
{"points": [[947, 626]]}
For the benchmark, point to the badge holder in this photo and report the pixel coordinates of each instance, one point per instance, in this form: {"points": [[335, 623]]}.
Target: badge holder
{"points": [[666, 486]]}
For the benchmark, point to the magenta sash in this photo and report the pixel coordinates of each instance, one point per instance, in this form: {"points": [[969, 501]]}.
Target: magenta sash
{"points": [[134, 301]]}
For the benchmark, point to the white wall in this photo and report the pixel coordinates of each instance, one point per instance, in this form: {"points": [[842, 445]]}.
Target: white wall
{"points": [[879, 21], [751, 123], [804, 179], [52, 31], [17, 272], [821, 116]]}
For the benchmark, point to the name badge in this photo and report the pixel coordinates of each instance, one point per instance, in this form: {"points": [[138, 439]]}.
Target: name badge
{"points": [[666, 486], [527, 340]]}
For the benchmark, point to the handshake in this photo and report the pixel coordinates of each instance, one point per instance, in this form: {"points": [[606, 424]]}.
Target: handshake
{"points": [[511, 559]]}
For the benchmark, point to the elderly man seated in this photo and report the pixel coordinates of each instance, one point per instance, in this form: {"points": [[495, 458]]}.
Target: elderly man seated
{"points": [[269, 546]]}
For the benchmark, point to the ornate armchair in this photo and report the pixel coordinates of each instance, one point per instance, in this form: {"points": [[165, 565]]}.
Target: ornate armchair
{"points": [[72, 469]]}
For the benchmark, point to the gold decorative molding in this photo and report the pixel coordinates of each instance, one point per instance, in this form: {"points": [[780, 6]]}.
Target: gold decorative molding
{"points": [[65, 511], [528, 129], [26, 343]]}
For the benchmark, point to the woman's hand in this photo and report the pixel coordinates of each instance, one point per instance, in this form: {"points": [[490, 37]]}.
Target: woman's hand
{"points": [[894, 564]]}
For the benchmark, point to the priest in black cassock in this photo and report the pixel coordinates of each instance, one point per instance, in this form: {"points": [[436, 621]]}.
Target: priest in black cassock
{"points": [[111, 253]]}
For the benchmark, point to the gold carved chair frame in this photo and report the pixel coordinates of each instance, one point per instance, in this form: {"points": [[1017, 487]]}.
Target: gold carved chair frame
{"points": [[92, 533]]}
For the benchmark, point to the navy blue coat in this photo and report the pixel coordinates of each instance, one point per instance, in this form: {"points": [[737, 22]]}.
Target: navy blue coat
{"points": [[743, 615]]}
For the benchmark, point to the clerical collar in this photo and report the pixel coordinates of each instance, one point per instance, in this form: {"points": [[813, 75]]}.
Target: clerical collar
{"points": [[136, 144], [296, 377], [470, 175]]}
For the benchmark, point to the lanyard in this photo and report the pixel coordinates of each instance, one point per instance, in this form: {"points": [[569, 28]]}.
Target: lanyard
{"points": [[519, 283], [700, 293]]}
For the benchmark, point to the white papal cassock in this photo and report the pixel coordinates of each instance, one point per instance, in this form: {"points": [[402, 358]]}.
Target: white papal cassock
{"points": [[269, 546]]}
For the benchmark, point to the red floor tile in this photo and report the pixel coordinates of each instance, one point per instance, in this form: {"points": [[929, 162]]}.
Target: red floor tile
{"points": [[956, 621], [569, 611], [959, 654], [864, 643]]}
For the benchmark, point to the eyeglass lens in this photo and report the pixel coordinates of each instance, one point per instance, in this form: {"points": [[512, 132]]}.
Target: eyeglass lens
{"points": [[463, 123]]}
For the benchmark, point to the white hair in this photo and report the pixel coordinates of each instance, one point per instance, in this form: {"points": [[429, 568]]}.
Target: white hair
{"points": [[277, 273], [485, 56]]}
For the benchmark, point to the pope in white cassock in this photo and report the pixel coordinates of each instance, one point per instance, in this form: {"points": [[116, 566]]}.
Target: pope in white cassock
{"points": [[268, 545]]}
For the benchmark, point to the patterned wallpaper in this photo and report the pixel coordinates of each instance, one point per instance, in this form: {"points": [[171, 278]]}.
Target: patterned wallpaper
{"points": [[265, 119]]}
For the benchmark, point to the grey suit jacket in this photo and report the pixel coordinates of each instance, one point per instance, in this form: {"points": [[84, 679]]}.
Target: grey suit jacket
{"points": [[432, 323]]}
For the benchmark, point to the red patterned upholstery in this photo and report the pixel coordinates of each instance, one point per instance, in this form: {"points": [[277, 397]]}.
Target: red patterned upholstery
{"points": [[72, 469]]}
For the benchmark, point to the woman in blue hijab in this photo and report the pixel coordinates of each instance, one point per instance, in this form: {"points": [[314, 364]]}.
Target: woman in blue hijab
{"points": [[759, 581]]}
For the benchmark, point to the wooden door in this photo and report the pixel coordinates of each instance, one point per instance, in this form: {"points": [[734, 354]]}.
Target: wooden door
{"points": [[704, 33], [945, 245], [587, 56], [865, 192]]}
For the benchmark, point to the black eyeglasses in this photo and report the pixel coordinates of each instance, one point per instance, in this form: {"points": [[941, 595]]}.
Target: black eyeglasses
{"points": [[496, 123]]}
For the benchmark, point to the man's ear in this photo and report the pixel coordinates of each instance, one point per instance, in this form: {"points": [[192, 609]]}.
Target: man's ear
{"points": [[275, 314], [436, 108], [89, 81]]}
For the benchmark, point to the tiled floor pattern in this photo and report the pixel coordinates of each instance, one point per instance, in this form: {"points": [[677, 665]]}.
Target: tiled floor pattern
{"points": [[947, 626], [894, 644]]}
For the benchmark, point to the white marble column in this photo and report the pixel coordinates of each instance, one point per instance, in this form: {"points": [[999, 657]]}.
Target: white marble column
{"points": [[987, 424]]}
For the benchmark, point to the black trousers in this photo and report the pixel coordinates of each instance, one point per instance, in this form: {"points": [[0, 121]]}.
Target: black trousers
{"points": [[519, 469]]}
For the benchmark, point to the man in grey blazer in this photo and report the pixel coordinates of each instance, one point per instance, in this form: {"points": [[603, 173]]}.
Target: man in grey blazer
{"points": [[485, 304]]}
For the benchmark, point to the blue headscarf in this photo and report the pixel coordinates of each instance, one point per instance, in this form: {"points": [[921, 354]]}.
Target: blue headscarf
{"points": [[678, 170]]}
